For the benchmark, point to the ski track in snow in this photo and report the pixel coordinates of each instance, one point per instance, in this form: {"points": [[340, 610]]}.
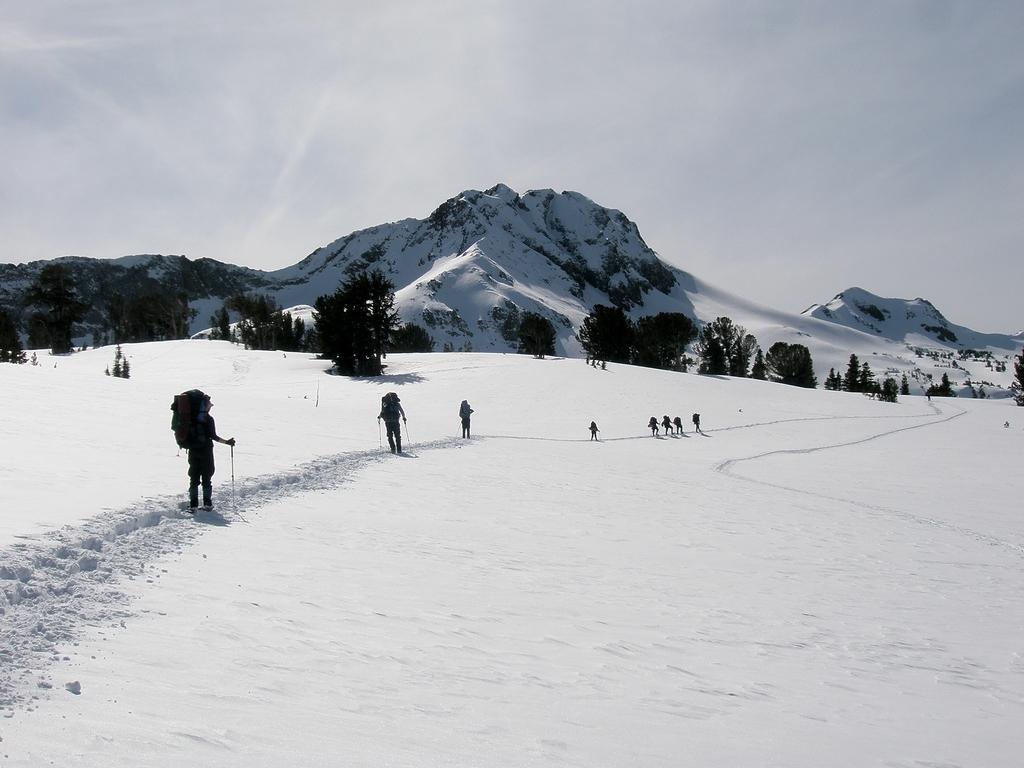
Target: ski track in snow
{"points": [[727, 468], [54, 586]]}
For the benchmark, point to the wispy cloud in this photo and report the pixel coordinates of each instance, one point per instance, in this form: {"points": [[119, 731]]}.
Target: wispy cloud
{"points": [[865, 143]]}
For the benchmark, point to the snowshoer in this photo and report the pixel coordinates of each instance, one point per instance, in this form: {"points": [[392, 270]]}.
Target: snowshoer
{"points": [[666, 424], [391, 411], [593, 430], [464, 413], [696, 422], [653, 425], [202, 436], [678, 424]]}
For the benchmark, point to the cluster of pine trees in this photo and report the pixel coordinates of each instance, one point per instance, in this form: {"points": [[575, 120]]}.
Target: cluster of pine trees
{"points": [[154, 315], [53, 307], [656, 341], [860, 378], [262, 324], [121, 368]]}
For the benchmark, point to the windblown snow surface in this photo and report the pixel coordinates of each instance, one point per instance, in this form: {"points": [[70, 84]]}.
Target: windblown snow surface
{"points": [[817, 580]]}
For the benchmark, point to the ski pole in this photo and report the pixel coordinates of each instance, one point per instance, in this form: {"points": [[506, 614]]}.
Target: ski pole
{"points": [[380, 436], [408, 439], [233, 509]]}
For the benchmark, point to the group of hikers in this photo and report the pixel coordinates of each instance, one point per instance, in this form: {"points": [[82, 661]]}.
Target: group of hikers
{"points": [[672, 426], [196, 431]]}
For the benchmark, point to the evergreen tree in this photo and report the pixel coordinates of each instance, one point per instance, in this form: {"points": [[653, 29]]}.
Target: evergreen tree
{"points": [[38, 331], [904, 386], [355, 323], [851, 381], [116, 371], [536, 335], [866, 381], [125, 368], [10, 342], [944, 389], [712, 346], [791, 364], [220, 324], [759, 370], [660, 341], [54, 294], [411, 338], [607, 334], [1018, 382], [889, 390], [741, 352], [833, 381], [725, 348]]}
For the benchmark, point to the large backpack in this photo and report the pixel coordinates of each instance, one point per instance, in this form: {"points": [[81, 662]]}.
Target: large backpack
{"points": [[389, 407], [188, 418]]}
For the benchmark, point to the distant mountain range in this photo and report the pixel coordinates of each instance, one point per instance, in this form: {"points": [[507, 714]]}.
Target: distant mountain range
{"points": [[481, 259]]}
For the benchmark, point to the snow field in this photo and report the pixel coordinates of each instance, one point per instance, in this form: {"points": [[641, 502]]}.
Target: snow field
{"points": [[526, 597]]}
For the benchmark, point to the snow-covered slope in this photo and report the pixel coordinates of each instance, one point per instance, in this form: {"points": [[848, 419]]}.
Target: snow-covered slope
{"points": [[819, 579], [910, 321]]}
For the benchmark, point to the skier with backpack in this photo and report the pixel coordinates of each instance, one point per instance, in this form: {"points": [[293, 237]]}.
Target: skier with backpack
{"points": [[391, 411], [678, 424], [696, 422], [196, 431], [464, 413], [593, 430], [653, 425], [666, 424]]}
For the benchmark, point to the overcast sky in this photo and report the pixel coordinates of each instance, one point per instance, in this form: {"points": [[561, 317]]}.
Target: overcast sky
{"points": [[781, 150]]}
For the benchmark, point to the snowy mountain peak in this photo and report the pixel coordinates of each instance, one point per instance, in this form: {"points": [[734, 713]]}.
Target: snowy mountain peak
{"points": [[912, 321], [479, 260]]}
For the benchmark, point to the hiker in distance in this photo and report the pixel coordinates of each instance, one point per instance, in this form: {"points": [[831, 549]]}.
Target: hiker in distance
{"points": [[391, 411], [653, 426], [666, 424], [593, 430], [678, 425], [696, 422], [197, 431], [464, 413]]}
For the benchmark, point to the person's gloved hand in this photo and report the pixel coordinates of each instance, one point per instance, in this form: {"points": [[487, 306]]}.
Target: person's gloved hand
{"points": [[231, 442]]}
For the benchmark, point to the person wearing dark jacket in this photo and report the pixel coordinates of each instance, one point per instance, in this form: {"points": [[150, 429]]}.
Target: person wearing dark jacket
{"points": [[200, 457], [464, 413], [391, 411], [696, 422], [653, 425], [679, 425], [593, 430], [666, 424]]}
